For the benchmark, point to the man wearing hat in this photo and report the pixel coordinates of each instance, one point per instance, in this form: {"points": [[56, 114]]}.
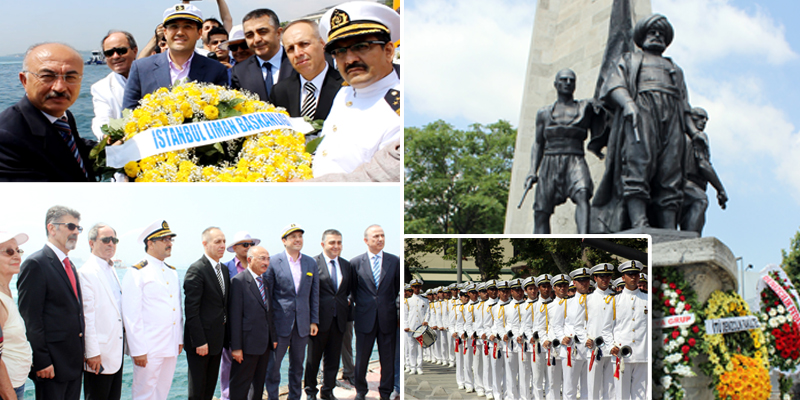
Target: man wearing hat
{"points": [[151, 310], [490, 288], [237, 46], [452, 304], [365, 115], [602, 304], [479, 326], [182, 25], [541, 320], [469, 341], [514, 350], [618, 285], [643, 282], [630, 329], [651, 116], [334, 288], [50, 303], [417, 308], [242, 242], [557, 316], [206, 287], [497, 331], [293, 282], [576, 337], [528, 369], [460, 348]]}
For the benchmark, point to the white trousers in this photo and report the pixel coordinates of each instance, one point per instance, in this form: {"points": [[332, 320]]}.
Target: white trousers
{"points": [[153, 381], [554, 375], [414, 351], [511, 360], [600, 380], [451, 346], [574, 379], [487, 370], [525, 381], [460, 363], [477, 365], [632, 382], [539, 376], [498, 369], [468, 358]]}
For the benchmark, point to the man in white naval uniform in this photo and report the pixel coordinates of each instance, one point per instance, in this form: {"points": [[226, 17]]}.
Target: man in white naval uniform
{"points": [[427, 353], [478, 380], [541, 321], [630, 329], [365, 115], [151, 310], [497, 351], [452, 304], [490, 288], [600, 372], [470, 341], [527, 366], [558, 313], [513, 355], [576, 337], [460, 320], [441, 305], [417, 307]]}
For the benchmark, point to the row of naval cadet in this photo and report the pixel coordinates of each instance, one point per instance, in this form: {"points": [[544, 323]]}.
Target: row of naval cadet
{"points": [[550, 346]]}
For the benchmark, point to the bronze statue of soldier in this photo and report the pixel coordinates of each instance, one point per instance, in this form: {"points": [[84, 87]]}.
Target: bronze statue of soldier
{"points": [[699, 173], [557, 156]]}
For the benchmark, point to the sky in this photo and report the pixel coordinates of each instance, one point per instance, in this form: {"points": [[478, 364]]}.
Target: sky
{"points": [[262, 210], [83, 24], [466, 63]]}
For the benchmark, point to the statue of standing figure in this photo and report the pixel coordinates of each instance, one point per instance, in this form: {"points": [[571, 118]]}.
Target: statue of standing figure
{"points": [[699, 173], [557, 161], [643, 184]]}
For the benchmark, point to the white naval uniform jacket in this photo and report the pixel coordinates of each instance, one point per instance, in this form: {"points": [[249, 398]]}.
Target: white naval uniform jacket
{"points": [[514, 318], [417, 307], [488, 320], [575, 325], [601, 318], [361, 122], [499, 325], [151, 309], [558, 315], [630, 328], [527, 310]]}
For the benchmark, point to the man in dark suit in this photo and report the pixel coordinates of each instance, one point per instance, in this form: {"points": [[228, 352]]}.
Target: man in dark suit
{"points": [[182, 25], [310, 89], [39, 140], [269, 65], [376, 289], [206, 287], [251, 341], [293, 282], [50, 303], [334, 289]]}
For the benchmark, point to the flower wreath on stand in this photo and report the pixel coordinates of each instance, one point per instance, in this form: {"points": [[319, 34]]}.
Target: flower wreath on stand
{"points": [[677, 345], [779, 317], [201, 132], [737, 362]]}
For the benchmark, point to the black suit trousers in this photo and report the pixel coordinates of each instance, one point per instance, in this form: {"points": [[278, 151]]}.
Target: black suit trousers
{"points": [[247, 377], [330, 344], [102, 387], [386, 345], [203, 373], [51, 389]]}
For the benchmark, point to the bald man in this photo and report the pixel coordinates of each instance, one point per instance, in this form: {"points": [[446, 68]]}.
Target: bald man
{"points": [[39, 139]]}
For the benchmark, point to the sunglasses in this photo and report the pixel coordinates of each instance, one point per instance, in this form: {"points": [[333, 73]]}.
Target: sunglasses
{"points": [[235, 47], [247, 244], [70, 226], [10, 252], [119, 50], [108, 239]]}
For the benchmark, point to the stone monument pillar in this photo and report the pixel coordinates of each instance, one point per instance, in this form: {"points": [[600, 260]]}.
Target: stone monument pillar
{"points": [[566, 34]]}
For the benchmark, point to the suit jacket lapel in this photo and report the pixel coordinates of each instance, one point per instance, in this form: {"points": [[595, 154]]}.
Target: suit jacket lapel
{"points": [[54, 148], [254, 287], [256, 78], [106, 285], [161, 72], [286, 68], [62, 272], [330, 86], [324, 275], [294, 94], [197, 69], [211, 273]]}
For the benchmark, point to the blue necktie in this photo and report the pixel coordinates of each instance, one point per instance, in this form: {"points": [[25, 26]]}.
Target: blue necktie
{"points": [[376, 269], [268, 79], [66, 133], [261, 289], [335, 281]]}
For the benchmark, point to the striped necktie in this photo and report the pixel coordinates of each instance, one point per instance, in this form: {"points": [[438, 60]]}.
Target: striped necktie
{"points": [[376, 269], [309, 107], [261, 289], [63, 128]]}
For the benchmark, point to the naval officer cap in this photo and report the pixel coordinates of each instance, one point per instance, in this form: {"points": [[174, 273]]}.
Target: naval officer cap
{"points": [[580, 273], [603, 269], [642, 277], [289, 229], [358, 18], [502, 285], [514, 284], [184, 11], [527, 282], [618, 282], [631, 266], [452, 286], [559, 279], [491, 284], [242, 236], [407, 288], [471, 287], [156, 230], [415, 282], [542, 279]]}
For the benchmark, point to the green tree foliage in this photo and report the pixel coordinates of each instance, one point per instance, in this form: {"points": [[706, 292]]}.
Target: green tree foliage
{"points": [[791, 259], [456, 182], [487, 253]]}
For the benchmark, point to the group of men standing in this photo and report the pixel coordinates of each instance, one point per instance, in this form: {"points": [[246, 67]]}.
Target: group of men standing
{"points": [[340, 70], [254, 309], [592, 345]]}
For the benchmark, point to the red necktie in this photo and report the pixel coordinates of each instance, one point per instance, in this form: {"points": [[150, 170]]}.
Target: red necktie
{"points": [[71, 276]]}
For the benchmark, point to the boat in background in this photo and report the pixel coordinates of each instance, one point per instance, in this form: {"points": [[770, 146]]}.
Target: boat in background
{"points": [[96, 58]]}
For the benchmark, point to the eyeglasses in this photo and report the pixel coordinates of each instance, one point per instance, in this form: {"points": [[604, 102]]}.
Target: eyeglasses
{"points": [[119, 50], [70, 226], [235, 47], [165, 239], [109, 239], [48, 77], [247, 244], [10, 252], [359, 48]]}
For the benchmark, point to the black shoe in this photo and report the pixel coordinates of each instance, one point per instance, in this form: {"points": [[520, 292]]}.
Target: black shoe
{"points": [[328, 396], [361, 396]]}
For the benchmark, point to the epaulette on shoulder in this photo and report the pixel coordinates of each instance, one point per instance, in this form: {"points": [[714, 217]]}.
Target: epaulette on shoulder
{"points": [[140, 265], [170, 266], [393, 98]]}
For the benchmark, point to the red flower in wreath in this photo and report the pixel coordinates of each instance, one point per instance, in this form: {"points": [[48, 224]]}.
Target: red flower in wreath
{"points": [[688, 307], [666, 302], [672, 310], [675, 334], [685, 349], [695, 329], [678, 291], [682, 298], [672, 286]]}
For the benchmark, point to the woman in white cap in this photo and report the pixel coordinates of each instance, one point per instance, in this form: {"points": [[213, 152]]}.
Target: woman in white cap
{"points": [[17, 355]]}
